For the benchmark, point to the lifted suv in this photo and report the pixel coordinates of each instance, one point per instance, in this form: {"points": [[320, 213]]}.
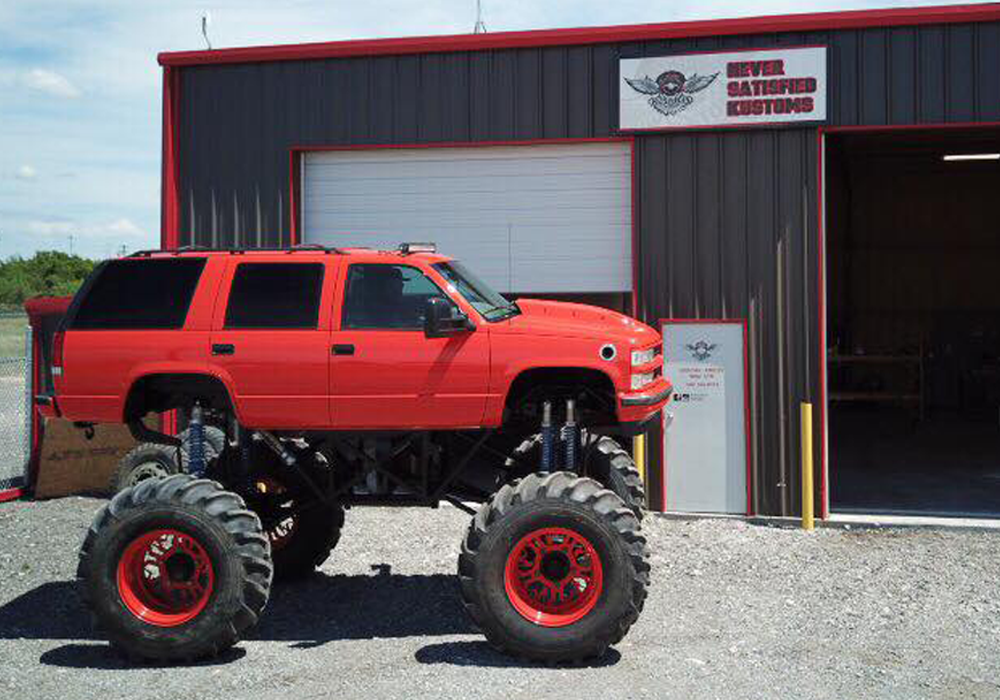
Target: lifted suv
{"points": [[331, 378]]}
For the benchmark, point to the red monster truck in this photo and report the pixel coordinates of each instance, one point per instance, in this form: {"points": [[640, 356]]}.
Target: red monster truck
{"points": [[343, 378]]}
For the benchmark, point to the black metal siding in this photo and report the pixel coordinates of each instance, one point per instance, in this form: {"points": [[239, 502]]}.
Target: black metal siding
{"points": [[727, 220]]}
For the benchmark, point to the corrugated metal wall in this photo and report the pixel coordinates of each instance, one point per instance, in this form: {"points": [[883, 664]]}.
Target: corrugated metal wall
{"points": [[728, 230], [727, 220]]}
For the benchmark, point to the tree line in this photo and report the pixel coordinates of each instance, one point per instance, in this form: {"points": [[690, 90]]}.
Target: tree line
{"points": [[46, 273]]}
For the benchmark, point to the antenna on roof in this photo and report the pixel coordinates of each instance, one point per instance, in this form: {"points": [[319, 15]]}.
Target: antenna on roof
{"points": [[206, 22], [480, 27]]}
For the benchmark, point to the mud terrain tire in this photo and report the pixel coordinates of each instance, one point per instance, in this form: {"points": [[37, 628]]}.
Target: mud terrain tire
{"points": [[175, 569], [554, 568]]}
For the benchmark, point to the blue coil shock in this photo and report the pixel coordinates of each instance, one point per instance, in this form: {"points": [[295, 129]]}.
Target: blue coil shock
{"points": [[196, 440]]}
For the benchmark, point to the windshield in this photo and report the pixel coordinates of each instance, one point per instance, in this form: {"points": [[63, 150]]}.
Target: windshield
{"points": [[492, 305]]}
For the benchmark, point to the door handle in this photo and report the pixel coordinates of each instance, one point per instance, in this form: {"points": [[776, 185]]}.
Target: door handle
{"points": [[345, 349], [223, 349]]}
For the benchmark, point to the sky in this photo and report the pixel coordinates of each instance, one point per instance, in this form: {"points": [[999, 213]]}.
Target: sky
{"points": [[80, 89]]}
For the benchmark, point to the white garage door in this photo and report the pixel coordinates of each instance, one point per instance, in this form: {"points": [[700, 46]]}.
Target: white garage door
{"points": [[543, 218]]}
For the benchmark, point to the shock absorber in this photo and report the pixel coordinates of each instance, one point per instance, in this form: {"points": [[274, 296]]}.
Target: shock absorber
{"points": [[548, 438], [196, 442], [571, 437]]}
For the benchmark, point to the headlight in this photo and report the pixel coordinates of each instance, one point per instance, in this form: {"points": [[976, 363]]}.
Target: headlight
{"points": [[641, 380], [643, 357]]}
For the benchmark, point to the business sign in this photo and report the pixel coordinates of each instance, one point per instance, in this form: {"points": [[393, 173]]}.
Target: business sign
{"points": [[723, 89], [704, 465]]}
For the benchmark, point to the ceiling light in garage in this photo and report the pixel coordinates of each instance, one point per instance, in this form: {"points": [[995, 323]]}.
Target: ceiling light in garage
{"points": [[971, 156]]}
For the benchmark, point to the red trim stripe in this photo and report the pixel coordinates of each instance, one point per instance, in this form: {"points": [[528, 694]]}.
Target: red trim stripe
{"points": [[854, 19], [170, 202], [11, 495]]}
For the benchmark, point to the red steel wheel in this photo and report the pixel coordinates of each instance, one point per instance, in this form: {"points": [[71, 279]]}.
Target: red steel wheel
{"points": [[553, 577], [165, 577]]}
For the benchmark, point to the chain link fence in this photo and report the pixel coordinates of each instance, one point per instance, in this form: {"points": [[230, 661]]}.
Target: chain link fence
{"points": [[15, 400]]}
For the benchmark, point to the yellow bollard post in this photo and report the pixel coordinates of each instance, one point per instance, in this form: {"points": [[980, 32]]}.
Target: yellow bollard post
{"points": [[639, 455], [807, 467]]}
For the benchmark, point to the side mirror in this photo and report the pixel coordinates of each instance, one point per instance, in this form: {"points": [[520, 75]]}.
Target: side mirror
{"points": [[439, 322]]}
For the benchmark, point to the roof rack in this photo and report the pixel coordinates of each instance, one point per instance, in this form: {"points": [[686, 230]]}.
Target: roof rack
{"points": [[298, 247]]}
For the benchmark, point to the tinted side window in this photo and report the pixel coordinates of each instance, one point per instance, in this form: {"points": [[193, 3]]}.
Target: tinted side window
{"points": [[139, 294], [388, 297], [275, 295]]}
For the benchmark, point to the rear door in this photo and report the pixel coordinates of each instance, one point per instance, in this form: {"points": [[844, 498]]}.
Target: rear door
{"points": [[271, 339], [385, 373]]}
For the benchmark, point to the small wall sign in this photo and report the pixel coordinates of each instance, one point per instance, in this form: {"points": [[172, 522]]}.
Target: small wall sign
{"points": [[773, 86]]}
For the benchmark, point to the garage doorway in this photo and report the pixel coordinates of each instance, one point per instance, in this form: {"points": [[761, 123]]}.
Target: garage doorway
{"points": [[913, 322], [551, 219]]}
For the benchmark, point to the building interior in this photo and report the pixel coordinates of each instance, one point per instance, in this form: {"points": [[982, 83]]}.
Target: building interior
{"points": [[913, 322]]}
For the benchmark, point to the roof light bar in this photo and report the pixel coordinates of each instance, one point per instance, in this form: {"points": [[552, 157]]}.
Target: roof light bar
{"points": [[408, 248], [958, 157]]}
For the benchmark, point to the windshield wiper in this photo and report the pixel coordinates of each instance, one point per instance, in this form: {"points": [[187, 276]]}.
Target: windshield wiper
{"points": [[503, 311]]}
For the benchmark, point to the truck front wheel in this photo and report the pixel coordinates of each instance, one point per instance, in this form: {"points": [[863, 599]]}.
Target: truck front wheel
{"points": [[554, 568], [175, 569]]}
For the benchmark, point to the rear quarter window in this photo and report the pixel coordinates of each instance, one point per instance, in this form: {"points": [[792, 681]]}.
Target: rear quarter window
{"points": [[138, 294]]}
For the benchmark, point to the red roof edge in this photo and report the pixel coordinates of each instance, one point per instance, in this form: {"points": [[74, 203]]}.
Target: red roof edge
{"points": [[36, 307], [852, 19]]}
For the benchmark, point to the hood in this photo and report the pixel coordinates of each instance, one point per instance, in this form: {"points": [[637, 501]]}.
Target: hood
{"points": [[560, 318]]}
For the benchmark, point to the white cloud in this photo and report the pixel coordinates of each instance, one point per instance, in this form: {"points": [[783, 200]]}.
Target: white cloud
{"points": [[120, 229], [26, 172], [125, 227], [49, 82]]}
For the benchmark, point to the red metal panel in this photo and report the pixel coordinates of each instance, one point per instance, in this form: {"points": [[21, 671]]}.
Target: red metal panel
{"points": [[854, 19]]}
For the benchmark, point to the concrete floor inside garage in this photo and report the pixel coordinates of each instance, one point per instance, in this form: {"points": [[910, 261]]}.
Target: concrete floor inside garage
{"points": [[913, 323]]}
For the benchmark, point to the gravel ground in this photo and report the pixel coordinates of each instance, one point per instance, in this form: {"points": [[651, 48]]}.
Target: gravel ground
{"points": [[735, 611]]}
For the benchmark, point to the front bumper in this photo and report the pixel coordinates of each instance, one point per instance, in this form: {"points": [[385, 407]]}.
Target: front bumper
{"points": [[637, 408], [648, 398]]}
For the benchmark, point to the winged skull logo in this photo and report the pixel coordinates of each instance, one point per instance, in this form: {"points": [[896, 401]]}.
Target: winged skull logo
{"points": [[701, 351], [671, 91]]}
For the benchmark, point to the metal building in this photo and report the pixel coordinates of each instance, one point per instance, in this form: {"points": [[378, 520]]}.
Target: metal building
{"points": [[682, 171]]}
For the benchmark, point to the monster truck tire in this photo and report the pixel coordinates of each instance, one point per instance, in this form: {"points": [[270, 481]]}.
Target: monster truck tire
{"points": [[304, 540], [603, 460], [211, 562], [554, 568]]}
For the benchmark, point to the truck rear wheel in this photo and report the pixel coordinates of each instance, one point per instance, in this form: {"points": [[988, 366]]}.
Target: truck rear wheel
{"points": [[554, 568], [301, 537], [175, 569], [603, 460]]}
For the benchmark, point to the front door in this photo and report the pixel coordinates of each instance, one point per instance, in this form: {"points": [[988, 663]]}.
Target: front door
{"points": [[385, 373], [272, 342]]}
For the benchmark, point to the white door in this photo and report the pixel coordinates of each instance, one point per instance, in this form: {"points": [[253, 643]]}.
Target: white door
{"points": [[539, 218]]}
